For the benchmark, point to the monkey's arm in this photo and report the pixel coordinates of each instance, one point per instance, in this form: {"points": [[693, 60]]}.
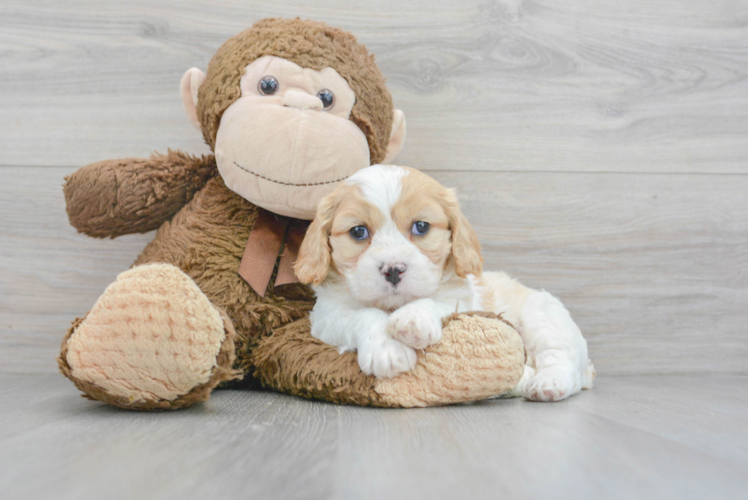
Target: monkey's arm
{"points": [[133, 195]]}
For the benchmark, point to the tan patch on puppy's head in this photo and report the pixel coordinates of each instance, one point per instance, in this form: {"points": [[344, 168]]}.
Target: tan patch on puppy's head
{"points": [[329, 244], [354, 210], [338, 212], [424, 199]]}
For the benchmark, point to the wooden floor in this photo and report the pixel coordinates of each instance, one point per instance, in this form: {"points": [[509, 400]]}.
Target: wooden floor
{"points": [[599, 148], [630, 437]]}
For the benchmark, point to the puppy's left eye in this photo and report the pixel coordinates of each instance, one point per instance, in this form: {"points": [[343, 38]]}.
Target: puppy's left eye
{"points": [[359, 233], [420, 228]]}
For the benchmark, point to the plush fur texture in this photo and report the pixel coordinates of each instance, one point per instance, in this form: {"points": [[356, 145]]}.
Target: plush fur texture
{"points": [[222, 371], [203, 228], [269, 338], [110, 198], [311, 45], [480, 356], [206, 240], [384, 291], [160, 310]]}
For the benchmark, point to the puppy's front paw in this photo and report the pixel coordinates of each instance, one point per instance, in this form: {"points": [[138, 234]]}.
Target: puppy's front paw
{"points": [[386, 359], [552, 383], [415, 327]]}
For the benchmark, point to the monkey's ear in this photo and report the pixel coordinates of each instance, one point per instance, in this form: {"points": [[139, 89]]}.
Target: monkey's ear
{"points": [[397, 136], [191, 82]]}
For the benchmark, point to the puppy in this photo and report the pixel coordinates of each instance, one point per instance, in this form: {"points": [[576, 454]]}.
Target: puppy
{"points": [[390, 254]]}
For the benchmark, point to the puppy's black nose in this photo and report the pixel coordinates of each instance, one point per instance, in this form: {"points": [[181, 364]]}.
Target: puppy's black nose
{"points": [[393, 273]]}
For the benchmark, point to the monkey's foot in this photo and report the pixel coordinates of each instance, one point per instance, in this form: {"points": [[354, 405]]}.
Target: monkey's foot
{"points": [[153, 341]]}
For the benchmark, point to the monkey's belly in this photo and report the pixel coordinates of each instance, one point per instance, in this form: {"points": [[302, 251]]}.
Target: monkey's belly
{"points": [[206, 240]]}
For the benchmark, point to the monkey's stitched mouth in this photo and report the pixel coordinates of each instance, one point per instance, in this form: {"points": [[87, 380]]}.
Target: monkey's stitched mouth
{"points": [[309, 184]]}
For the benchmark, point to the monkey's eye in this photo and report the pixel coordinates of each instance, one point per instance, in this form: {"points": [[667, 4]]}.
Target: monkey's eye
{"points": [[359, 233], [268, 85], [420, 228], [327, 98]]}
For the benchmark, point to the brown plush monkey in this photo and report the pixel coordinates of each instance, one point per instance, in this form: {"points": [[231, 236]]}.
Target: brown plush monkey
{"points": [[290, 108]]}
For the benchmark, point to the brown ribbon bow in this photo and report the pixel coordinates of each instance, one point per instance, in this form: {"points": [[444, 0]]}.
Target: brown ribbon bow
{"points": [[270, 234]]}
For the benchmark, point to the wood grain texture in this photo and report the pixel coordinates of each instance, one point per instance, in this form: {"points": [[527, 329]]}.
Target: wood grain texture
{"points": [[49, 274], [510, 85], [652, 267], [598, 147], [630, 437]]}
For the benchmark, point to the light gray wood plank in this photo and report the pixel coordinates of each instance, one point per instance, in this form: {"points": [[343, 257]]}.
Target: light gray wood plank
{"points": [[49, 274], [532, 451], [588, 85], [37, 401], [652, 267], [712, 410], [265, 445]]}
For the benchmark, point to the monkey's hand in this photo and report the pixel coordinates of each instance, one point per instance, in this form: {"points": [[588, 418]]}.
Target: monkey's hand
{"points": [[134, 195]]}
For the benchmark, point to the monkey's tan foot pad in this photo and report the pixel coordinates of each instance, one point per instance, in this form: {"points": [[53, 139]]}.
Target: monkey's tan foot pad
{"points": [[152, 341], [480, 356]]}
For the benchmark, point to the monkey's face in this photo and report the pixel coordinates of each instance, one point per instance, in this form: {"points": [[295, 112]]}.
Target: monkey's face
{"points": [[288, 140]]}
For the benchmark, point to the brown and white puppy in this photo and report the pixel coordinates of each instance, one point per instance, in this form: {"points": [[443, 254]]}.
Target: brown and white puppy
{"points": [[390, 254]]}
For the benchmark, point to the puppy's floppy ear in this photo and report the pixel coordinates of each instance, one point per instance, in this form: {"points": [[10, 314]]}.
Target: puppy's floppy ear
{"points": [[313, 262], [465, 243]]}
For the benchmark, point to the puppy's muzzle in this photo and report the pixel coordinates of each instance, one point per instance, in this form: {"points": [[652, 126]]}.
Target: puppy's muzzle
{"points": [[393, 272]]}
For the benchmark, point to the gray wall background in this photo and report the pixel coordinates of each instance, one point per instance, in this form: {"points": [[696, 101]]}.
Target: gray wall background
{"points": [[599, 147]]}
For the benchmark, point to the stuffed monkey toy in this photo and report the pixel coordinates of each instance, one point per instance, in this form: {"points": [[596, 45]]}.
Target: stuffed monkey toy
{"points": [[289, 108]]}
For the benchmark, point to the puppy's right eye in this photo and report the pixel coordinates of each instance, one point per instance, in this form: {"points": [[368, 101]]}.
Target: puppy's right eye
{"points": [[359, 233], [420, 228]]}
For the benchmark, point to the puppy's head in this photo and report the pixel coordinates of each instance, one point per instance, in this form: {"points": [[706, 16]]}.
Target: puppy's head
{"points": [[391, 232]]}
